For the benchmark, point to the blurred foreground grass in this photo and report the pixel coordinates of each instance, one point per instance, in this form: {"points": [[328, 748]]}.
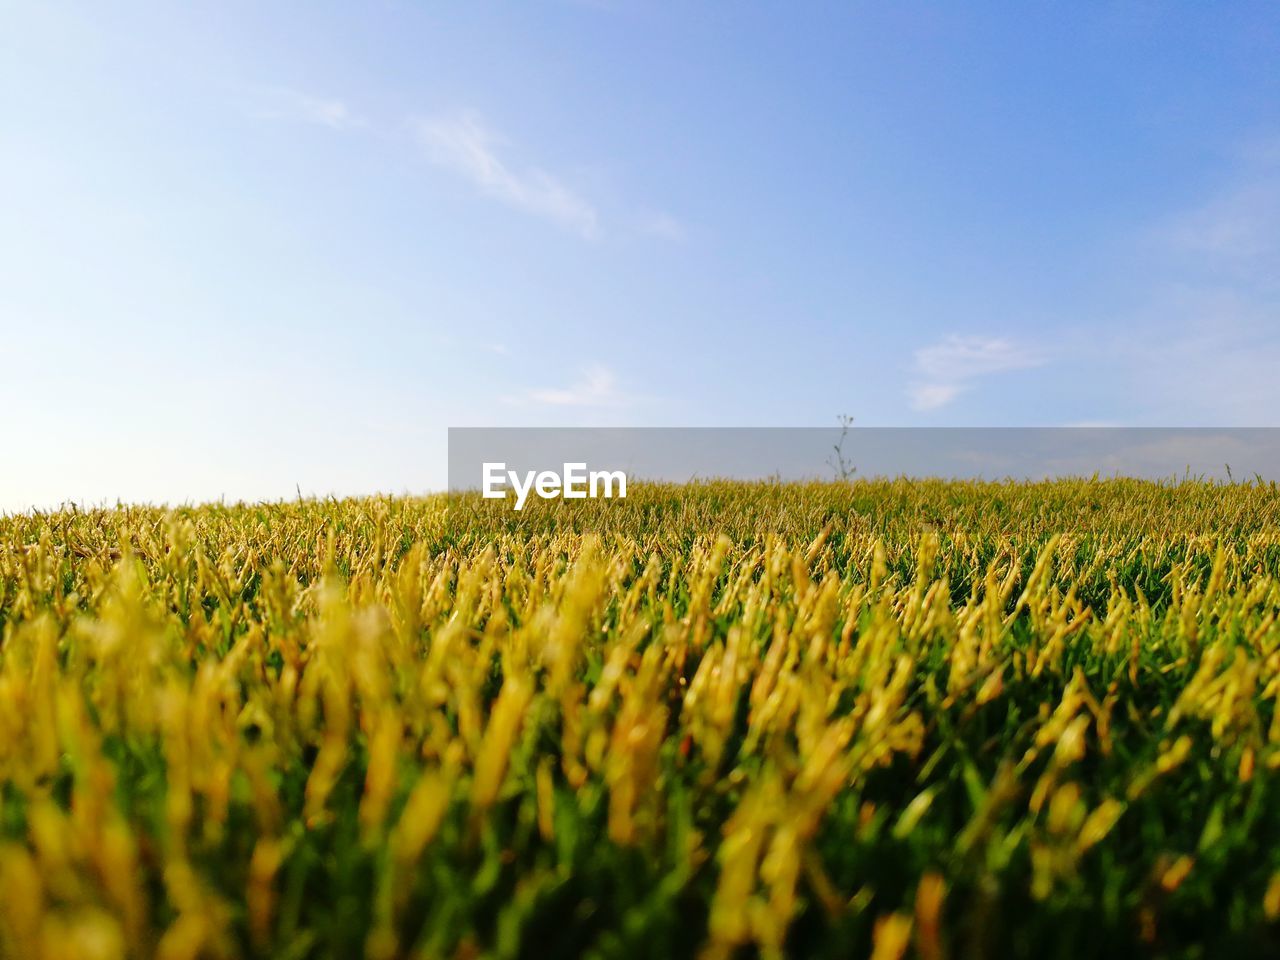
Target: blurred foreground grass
{"points": [[828, 720]]}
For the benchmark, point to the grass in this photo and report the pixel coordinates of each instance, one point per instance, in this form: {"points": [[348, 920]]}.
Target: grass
{"points": [[725, 720]]}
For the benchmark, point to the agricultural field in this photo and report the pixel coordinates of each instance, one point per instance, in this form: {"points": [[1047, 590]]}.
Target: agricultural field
{"points": [[875, 718]]}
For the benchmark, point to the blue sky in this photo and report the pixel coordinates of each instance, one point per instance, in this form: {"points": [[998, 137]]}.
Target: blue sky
{"points": [[246, 248]]}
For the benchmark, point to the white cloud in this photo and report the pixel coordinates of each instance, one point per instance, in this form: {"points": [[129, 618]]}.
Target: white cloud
{"points": [[931, 396], [285, 104], [945, 369], [663, 226], [597, 388], [1204, 353], [1205, 347], [462, 143], [1236, 232], [334, 114]]}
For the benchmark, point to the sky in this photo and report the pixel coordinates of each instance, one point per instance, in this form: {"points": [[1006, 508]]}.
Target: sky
{"points": [[251, 249]]}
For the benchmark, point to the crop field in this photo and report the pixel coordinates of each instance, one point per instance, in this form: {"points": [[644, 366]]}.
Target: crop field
{"points": [[876, 718]]}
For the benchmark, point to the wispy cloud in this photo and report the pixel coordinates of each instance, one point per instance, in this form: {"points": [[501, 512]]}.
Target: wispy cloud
{"points": [[1237, 232], [931, 396], [462, 143], [598, 387], [944, 370], [282, 103], [1205, 347], [663, 226], [334, 114], [1204, 353]]}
